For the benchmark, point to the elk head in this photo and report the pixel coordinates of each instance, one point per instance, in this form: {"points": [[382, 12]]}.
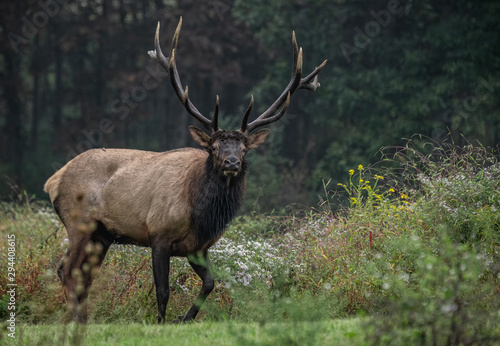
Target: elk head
{"points": [[228, 148]]}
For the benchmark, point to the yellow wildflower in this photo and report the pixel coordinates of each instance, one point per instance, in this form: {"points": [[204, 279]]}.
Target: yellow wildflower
{"points": [[360, 167], [404, 196], [391, 190], [354, 200], [377, 177], [351, 171]]}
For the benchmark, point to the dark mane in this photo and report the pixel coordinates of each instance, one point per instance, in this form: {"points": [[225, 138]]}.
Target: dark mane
{"points": [[215, 201]]}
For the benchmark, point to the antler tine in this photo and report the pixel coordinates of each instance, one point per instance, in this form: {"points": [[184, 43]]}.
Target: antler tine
{"points": [[305, 83], [183, 94], [246, 115], [157, 54], [175, 39], [295, 48], [215, 119], [171, 66]]}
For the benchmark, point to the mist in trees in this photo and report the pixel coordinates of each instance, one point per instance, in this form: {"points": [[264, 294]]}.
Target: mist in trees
{"points": [[76, 75]]}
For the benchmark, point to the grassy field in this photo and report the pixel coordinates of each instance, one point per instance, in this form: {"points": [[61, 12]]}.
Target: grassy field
{"points": [[407, 252], [340, 332]]}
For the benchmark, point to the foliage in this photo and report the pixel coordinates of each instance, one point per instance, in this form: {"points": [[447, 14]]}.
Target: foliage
{"points": [[443, 288], [414, 250], [447, 298], [38, 238]]}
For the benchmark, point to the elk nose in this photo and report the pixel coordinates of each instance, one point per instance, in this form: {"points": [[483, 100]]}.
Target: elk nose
{"points": [[232, 163]]}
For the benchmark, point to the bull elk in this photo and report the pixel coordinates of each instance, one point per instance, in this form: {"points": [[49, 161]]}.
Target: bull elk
{"points": [[177, 202]]}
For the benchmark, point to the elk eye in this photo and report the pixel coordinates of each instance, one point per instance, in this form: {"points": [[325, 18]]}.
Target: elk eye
{"points": [[213, 148]]}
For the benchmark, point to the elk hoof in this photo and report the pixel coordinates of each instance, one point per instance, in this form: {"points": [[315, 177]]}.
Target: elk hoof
{"points": [[179, 319], [182, 319]]}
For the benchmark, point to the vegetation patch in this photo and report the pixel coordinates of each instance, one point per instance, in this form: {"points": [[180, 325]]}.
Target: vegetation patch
{"points": [[406, 254]]}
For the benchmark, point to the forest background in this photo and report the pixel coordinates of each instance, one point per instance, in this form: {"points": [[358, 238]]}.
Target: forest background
{"points": [[76, 75]]}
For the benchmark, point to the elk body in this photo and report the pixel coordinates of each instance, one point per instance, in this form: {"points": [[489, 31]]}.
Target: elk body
{"points": [[176, 202]]}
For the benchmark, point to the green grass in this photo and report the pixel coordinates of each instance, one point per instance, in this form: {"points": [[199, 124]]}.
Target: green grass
{"points": [[338, 332]]}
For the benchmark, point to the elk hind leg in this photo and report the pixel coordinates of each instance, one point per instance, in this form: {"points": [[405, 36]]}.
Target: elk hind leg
{"points": [[71, 274], [79, 267]]}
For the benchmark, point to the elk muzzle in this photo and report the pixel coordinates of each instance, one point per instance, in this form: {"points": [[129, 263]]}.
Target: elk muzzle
{"points": [[231, 165]]}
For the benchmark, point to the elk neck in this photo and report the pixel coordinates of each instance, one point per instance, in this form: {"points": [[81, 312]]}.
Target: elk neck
{"points": [[215, 201]]}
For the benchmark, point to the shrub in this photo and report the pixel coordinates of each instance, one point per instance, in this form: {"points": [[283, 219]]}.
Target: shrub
{"points": [[445, 291], [37, 237]]}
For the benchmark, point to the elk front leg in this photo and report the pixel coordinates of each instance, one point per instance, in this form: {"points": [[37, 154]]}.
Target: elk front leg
{"points": [[201, 266], [161, 268]]}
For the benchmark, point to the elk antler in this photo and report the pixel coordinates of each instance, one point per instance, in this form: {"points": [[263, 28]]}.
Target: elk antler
{"points": [[310, 82], [170, 65], [274, 113]]}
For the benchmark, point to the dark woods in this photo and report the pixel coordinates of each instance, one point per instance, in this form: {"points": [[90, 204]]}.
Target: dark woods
{"points": [[76, 75]]}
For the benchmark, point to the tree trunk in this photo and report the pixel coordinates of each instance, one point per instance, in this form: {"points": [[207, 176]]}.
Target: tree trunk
{"points": [[13, 127], [35, 97]]}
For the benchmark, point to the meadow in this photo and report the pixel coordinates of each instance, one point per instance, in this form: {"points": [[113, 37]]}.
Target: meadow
{"points": [[406, 251]]}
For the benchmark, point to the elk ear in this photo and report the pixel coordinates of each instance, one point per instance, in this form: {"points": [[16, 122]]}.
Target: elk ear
{"points": [[199, 136], [257, 138]]}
